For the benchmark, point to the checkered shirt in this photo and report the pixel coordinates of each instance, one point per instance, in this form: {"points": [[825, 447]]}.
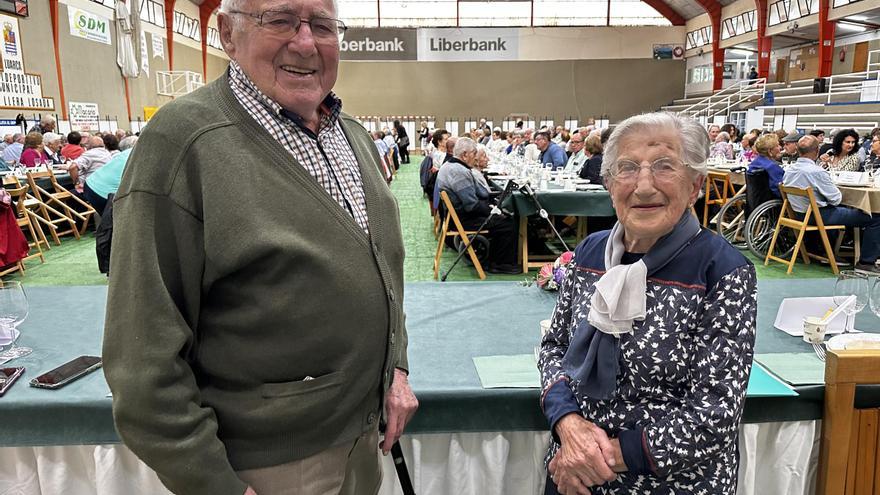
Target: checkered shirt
{"points": [[327, 156]]}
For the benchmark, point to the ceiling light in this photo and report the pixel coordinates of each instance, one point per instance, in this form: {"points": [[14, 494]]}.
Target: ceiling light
{"points": [[852, 27]]}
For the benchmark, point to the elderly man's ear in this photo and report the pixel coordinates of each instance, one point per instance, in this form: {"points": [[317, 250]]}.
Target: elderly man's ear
{"points": [[224, 25]]}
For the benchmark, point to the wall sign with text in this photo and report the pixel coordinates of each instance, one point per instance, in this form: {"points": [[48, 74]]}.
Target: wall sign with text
{"points": [[93, 27], [18, 89], [83, 116]]}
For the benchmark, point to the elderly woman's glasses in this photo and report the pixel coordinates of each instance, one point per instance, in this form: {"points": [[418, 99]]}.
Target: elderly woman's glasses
{"points": [[662, 169], [324, 29]]}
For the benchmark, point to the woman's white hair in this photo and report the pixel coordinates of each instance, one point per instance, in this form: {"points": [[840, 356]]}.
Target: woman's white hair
{"points": [[462, 146], [694, 139]]}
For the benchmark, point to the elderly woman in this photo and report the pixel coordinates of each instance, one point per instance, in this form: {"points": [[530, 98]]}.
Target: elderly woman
{"points": [[593, 166], [722, 147], [769, 151], [52, 148], [645, 366], [32, 155]]}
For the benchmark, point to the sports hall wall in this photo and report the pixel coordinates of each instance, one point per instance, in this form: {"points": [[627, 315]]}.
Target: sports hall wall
{"points": [[559, 73]]}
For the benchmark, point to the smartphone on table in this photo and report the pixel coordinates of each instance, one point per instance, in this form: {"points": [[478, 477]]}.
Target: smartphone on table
{"points": [[67, 372], [8, 377]]}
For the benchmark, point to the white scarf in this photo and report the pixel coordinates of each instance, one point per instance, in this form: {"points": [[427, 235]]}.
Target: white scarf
{"points": [[621, 293]]}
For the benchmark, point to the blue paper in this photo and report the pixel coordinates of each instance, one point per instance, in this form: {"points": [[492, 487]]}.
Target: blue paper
{"points": [[763, 384]]}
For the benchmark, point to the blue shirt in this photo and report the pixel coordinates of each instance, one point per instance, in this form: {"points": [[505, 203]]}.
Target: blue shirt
{"points": [[554, 155], [773, 169], [805, 173], [105, 180], [12, 153]]}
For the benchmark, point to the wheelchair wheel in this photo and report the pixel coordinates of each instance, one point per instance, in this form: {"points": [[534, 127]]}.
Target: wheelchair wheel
{"points": [[731, 221], [759, 231], [480, 245]]}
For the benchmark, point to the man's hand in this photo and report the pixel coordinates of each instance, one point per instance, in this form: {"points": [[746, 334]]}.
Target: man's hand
{"points": [[586, 457], [400, 405]]}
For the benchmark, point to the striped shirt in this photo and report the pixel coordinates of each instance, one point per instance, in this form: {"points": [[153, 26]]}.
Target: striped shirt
{"points": [[327, 156]]}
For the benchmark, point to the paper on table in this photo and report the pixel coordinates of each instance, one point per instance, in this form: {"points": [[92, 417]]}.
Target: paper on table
{"points": [[791, 313], [763, 384], [796, 368], [518, 371]]}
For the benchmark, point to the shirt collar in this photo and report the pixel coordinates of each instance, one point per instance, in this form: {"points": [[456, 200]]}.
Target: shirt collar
{"points": [[329, 108]]}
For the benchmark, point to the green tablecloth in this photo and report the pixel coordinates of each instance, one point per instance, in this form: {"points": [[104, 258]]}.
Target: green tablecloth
{"points": [[559, 202], [449, 324]]}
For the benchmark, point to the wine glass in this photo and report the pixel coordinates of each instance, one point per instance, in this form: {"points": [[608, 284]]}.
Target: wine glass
{"points": [[13, 311], [874, 297], [851, 283]]}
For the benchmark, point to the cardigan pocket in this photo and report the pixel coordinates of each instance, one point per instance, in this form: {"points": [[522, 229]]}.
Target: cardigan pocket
{"points": [[321, 385]]}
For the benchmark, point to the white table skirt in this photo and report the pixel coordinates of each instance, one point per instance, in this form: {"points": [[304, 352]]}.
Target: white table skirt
{"points": [[780, 458]]}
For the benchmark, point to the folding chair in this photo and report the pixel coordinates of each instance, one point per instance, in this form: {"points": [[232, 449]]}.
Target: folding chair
{"points": [[23, 217], [463, 234], [61, 197], [849, 462], [788, 219], [34, 208], [718, 191]]}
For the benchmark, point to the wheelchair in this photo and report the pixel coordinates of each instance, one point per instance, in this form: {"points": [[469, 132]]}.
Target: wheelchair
{"points": [[748, 219]]}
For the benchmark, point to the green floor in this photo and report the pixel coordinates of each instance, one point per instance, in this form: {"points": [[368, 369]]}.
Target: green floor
{"points": [[73, 262]]}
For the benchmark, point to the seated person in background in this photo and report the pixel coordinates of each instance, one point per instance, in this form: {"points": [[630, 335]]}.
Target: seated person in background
{"points": [[747, 154], [12, 153], [381, 145], [72, 150], [530, 151], [551, 153], [789, 151], [111, 143], [593, 166], [52, 148], [769, 151], [722, 147], [32, 154], [805, 173], [713, 131], [480, 166], [844, 154], [514, 139], [472, 204], [105, 180], [873, 162], [7, 140], [498, 143], [732, 132], [578, 155], [94, 158], [438, 141]]}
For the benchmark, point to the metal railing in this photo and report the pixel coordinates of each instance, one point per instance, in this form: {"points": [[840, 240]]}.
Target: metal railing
{"points": [[866, 84], [177, 83], [722, 102]]}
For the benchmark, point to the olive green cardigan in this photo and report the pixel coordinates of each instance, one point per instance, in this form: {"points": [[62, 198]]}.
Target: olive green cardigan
{"points": [[250, 320]]}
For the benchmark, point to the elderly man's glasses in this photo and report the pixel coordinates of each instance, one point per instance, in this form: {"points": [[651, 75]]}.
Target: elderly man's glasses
{"points": [[663, 169], [324, 29]]}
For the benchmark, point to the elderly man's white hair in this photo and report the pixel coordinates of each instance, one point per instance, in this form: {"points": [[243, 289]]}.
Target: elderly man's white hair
{"points": [[46, 120], [127, 143], [693, 139], [227, 6], [462, 146]]}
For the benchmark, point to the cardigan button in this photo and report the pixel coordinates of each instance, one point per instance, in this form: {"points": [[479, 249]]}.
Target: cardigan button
{"points": [[371, 418]]}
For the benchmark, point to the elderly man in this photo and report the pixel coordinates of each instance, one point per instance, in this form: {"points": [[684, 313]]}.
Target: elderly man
{"points": [[578, 155], [551, 153], [804, 173], [789, 147], [472, 205], [47, 124], [12, 153], [252, 346], [94, 158], [7, 140]]}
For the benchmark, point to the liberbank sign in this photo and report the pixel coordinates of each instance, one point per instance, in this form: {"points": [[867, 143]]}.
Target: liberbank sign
{"points": [[445, 45]]}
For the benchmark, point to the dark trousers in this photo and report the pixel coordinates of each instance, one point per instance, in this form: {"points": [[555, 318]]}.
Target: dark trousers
{"points": [[404, 154], [502, 237], [851, 217], [94, 199]]}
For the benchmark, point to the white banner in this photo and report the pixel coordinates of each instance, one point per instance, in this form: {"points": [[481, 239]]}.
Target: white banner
{"points": [[18, 89], [84, 24], [455, 44], [145, 56], [84, 116], [158, 46]]}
